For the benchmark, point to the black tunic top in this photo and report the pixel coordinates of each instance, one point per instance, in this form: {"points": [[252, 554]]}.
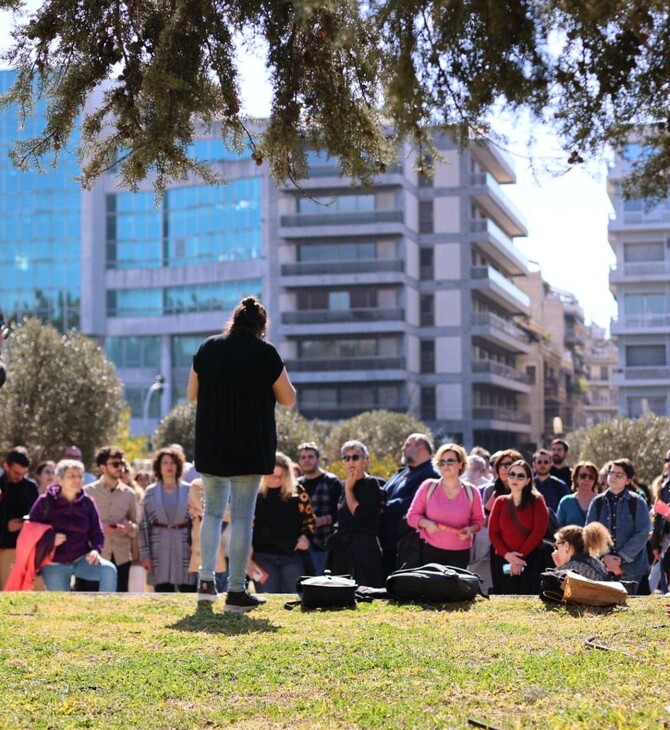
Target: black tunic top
{"points": [[235, 430]]}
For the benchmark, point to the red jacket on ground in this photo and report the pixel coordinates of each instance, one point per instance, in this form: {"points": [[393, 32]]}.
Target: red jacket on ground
{"points": [[34, 548]]}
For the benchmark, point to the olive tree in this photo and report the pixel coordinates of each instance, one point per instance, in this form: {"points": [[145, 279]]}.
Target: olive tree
{"points": [[643, 440], [177, 427], [61, 390], [351, 77]]}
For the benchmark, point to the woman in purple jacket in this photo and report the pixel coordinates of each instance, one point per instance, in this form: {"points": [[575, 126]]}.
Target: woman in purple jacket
{"points": [[79, 536]]}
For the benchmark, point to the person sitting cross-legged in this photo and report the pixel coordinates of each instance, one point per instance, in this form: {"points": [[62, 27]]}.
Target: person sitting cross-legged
{"points": [[79, 537]]}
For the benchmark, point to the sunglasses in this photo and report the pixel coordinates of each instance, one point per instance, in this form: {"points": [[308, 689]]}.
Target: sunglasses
{"points": [[542, 461], [585, 475], [517, 475], [505, 465], [666, 460], [353, 457], [114, 464], [447, 462]]}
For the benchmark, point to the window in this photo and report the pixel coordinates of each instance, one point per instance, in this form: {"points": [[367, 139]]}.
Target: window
{"points": [[324, 204], [427, 356], [183, 349], [134, 352], [426, 263], [135, 398], [637, 406], [645, 355], [426, 310], [362, 251], [425, 216], [642, 304], [339, 300], [642, 252], [428, 410]]}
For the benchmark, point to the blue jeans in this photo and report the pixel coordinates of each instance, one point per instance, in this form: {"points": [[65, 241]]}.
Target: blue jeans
{"points": [[242, 491], [319, 560], [57, 576], [283, 570]]}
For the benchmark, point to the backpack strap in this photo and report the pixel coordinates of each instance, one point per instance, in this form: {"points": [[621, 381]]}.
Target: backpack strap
{"points": [[632, 505]]}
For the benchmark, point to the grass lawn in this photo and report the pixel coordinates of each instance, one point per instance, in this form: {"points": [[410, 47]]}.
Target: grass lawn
{"points": [[83, 660]]}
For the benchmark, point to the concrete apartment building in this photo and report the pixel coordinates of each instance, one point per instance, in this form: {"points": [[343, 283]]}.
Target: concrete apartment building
{"points": [[601, 360], [640, 281], [406, 296]]}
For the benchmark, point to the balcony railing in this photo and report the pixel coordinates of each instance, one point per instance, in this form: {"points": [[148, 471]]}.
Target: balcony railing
{"points": [[331, 169], [320, 316], [504, 371], [349, 363], [303, 268], [489, 319], [503, 241], [634, 321], [492, 413], [495, 277], [642, 268], [337, 412], [643, 373], [342, 219]]}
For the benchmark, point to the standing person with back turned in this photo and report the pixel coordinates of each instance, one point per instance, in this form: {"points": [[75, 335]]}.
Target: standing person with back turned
{"points": [[236, 380]]}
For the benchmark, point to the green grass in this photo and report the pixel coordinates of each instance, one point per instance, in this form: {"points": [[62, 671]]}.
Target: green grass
{"points": [[79, 660]]}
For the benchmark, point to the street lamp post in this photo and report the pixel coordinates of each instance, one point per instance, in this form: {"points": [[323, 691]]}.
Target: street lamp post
{"points": [[156, 387]]}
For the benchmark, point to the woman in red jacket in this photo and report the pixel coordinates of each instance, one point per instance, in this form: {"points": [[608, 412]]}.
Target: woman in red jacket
{"points": [[517, 525]]}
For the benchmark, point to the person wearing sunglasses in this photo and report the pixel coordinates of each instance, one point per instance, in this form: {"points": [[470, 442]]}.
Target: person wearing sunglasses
{"points": [[579, 549], [626, 515], [572, 508], [447, 512], [354, 546], [549, 486], [117, 506], [517, 526]]}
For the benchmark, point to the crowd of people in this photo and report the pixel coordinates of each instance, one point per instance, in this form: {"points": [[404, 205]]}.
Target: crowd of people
{"points": [[244, 515], [505, 518]]}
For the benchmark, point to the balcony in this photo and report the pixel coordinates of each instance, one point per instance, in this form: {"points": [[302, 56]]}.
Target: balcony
{"points": [[641, 271], [488, 194], [324, 316], [329, 412], [498, 246], [640, 323], [492, 284], [327, 173], [500, 419], [499, 163], [652, 375], [370, 222], [349, 363], [502, 332], [496, 373], [555, 392], [306, 268]]}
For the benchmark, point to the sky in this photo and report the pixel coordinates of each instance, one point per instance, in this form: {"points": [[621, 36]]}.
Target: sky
{"points": [[566, 208]]}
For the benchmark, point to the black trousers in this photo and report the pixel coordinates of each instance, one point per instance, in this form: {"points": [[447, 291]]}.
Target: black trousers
{"points": [[526, 584]]}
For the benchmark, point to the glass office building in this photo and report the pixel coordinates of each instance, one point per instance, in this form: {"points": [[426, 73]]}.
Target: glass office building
{"points": [[40, 228]]}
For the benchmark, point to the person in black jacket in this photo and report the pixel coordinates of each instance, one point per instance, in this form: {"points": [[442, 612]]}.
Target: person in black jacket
{"points": [[283, 523], [17, 495]]}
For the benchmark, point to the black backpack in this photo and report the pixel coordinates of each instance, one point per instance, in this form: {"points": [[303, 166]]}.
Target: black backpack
{"points": [[433, 583], [325, 591]]}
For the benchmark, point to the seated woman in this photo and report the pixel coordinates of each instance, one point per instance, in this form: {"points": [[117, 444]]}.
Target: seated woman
{"points": [[446, 512], [579, 549], [283, 523], [573, 507], [517, 525], [79, 537], [165, 529]]}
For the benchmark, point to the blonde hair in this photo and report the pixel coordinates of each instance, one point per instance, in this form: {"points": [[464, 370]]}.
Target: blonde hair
{"points": [[593, 539], [461, 455], [289, 484]]}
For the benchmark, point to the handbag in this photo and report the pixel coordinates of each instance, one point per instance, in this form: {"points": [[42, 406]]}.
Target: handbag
{"points": [[433, 583], [565, 586], [325, 591]]}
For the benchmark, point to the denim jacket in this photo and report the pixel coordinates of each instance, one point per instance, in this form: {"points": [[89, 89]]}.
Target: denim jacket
{"points": [[631, 535]]}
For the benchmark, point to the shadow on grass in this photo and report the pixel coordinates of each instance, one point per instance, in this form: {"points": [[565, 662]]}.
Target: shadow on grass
{"points": [[230, 624], [577, 610], [457, 607]]}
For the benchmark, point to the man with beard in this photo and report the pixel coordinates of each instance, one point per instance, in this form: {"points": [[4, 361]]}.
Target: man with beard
{"points": [[559, 469], [400, 490]]}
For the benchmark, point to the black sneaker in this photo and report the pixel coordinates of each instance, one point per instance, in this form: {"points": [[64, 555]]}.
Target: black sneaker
{"points": [[207, 590], [242, 601]]}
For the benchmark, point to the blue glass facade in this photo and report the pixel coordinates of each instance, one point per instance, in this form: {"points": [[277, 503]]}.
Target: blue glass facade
{"points": [[192, 225], [40, 229]]}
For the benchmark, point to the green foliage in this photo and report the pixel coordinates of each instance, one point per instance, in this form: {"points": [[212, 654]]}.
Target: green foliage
{"points": [[642, 440], [292, 429], [504, 663], [134, 447], [342, 73], [383, 432], [61, 390], [177, 427]]}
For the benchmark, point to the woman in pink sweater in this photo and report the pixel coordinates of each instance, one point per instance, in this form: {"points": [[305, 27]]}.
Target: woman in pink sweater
{"points": [[446, 512]]}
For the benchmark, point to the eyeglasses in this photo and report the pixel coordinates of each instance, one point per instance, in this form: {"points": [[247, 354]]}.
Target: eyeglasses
{"points": [[448, 462], [517, 475], [559, 542], [542, 461], [585, 475], [114, 464], [352, 457], [505, 465], [616, 474]]}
